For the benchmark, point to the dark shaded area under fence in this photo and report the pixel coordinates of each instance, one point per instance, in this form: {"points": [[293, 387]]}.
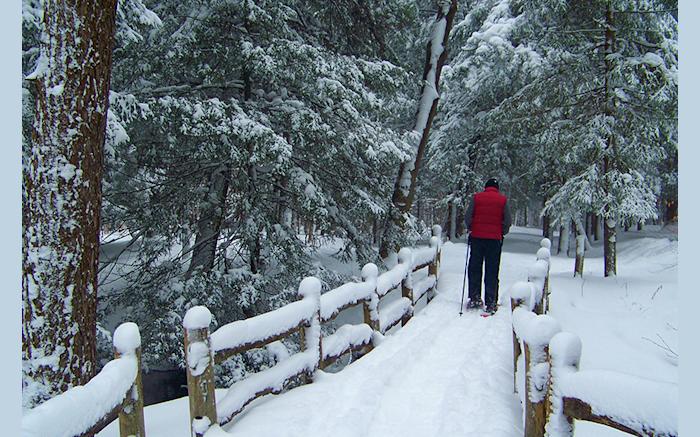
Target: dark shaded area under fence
{"points": [[164, 385]]}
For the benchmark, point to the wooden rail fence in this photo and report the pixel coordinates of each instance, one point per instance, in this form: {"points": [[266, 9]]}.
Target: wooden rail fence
{"points": [[553, 390], [114, 392], [305, 316], [117, 390]]}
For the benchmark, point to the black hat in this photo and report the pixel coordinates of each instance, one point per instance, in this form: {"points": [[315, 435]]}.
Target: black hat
{"points": [[491, 183]]}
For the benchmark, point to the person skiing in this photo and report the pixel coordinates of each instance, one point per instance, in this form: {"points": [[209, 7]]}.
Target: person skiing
{"points": [[487, 221]]}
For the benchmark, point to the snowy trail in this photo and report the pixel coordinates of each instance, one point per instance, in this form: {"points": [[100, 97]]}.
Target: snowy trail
{"points": [[441, 375]]}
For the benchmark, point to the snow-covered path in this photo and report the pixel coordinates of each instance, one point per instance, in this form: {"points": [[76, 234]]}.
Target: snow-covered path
{"points": [[441, 375], [451, 376]]}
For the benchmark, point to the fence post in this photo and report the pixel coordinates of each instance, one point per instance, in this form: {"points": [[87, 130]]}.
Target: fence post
{"points": [[520, 294], [370, 309], [310, 288], [406, 258], [564, 356], [127, 341], [537, 375], [514, 303], [200, 368], [435, 264], [546, 243]]}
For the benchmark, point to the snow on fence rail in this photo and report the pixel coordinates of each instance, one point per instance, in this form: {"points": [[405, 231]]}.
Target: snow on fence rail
{"points": [[203, 350], [554, 392], [87, 409]]}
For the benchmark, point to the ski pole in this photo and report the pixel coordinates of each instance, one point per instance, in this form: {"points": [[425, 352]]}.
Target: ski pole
{"points": [[464, 279]]}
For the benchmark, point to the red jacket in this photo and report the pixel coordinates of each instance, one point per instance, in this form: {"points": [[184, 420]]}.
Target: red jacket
{"points": [[490, 215]]}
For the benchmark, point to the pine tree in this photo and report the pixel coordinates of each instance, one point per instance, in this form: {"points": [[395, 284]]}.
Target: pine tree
{"points": [[405, 186], [62, 173], [245, 120]]}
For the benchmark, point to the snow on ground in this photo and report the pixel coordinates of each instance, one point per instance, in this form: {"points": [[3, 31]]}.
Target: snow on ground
{"points": [[619, 319], [448, 375]]}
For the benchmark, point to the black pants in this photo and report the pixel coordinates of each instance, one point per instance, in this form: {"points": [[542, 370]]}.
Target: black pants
{"points": [[490, 252]]}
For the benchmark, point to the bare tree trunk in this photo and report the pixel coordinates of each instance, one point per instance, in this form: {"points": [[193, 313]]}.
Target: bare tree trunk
{"points": [[609, 247], [580, 248], [526, 215], [571, 248], [211, 214], [564, 231], [546, 231], [596, 227], [62, 197], [453, 220], [609, 234], [405, 187]]}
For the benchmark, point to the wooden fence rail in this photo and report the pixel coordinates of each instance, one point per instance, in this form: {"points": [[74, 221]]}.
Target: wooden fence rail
{"points": [[553, 390], [87, 409], [305, 316]]}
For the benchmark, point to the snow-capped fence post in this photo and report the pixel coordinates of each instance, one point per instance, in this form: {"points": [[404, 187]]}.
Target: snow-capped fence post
{"points": [[115, 392], [520, 295], [546, 244], [538, 275], [406, 258], [310, 288], [127, 341], [435, 264], [538, 332], [200, 368], [637, 406], [564, 356], [370, 307]]}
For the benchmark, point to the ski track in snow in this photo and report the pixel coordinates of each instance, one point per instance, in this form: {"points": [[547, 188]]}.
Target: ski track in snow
{"points": [[441, 375]]}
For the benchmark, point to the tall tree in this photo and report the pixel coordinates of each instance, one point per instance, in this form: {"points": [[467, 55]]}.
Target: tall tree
{"points": [[61, 194], [405, 186], [245, 118]]}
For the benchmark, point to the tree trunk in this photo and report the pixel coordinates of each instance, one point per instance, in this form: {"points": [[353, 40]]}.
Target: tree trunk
{"points": [[609, 234], [571, 248], [526, 215], [671, 211], [211, 214], [596, 227], [546, 231], [609, 248], [405, 186], [62, 197], [460, 220], [564, 231], [453, 221], [580, 248]]}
